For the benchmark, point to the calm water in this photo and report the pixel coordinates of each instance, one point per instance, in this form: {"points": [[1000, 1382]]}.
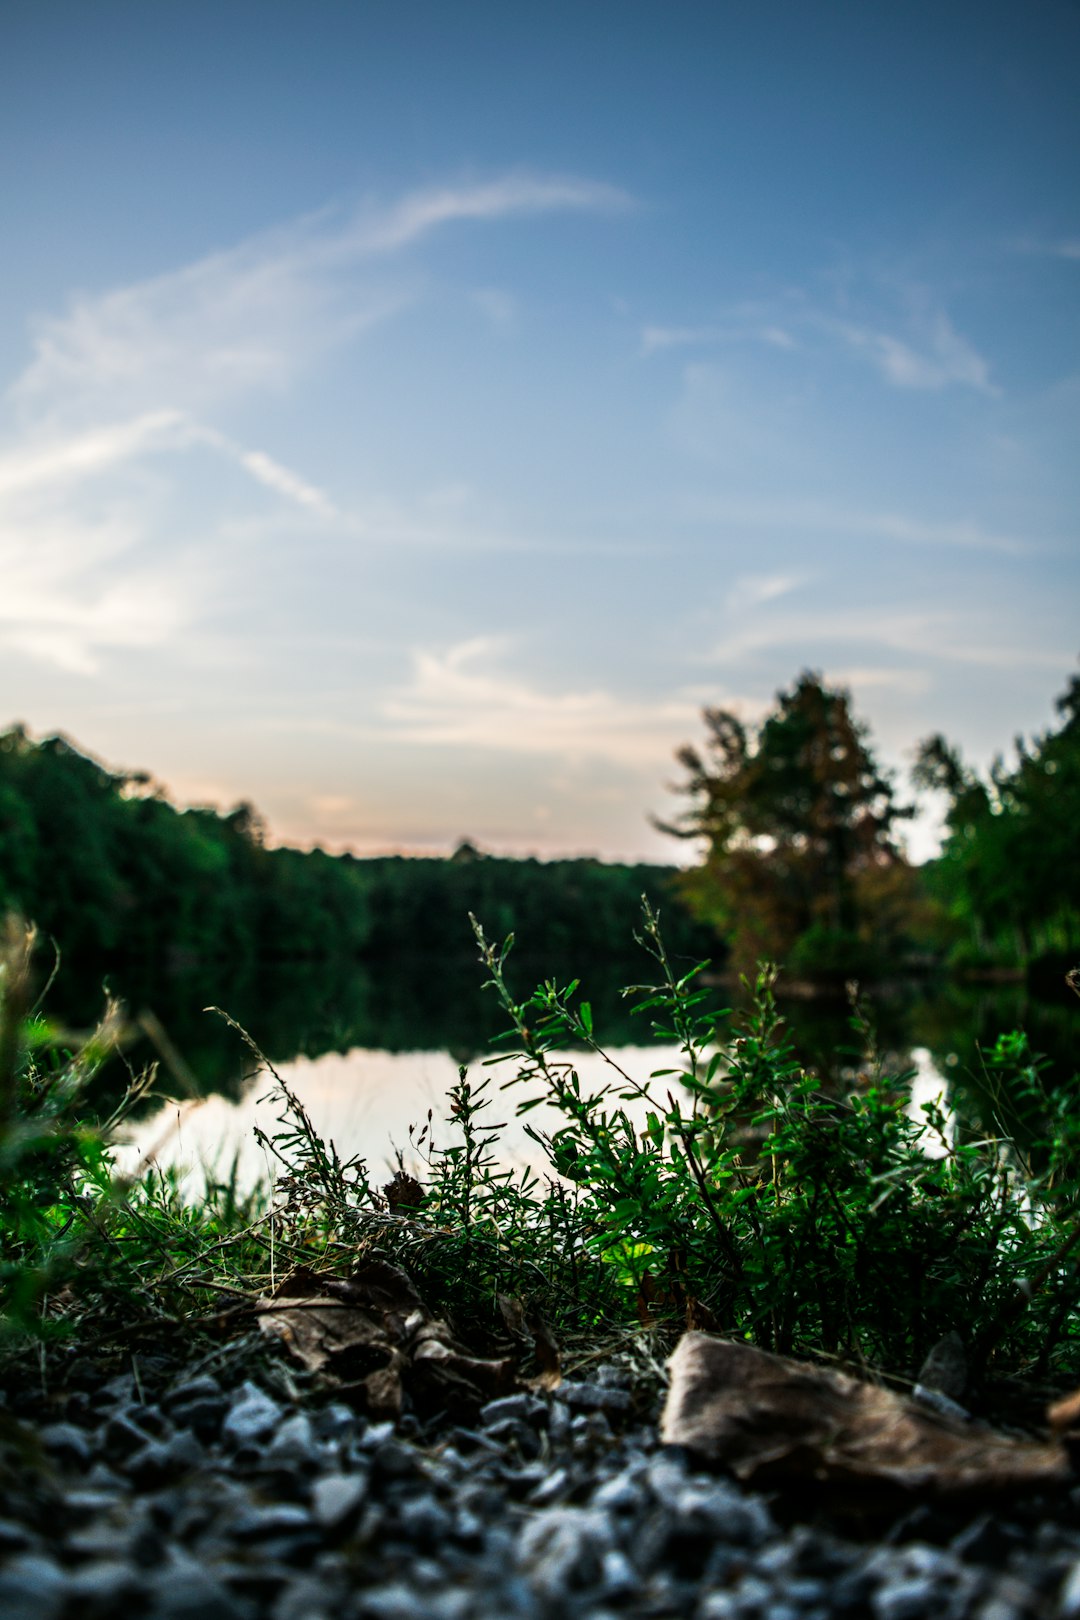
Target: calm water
{"points": [[365, 1101], [370, 1053]]}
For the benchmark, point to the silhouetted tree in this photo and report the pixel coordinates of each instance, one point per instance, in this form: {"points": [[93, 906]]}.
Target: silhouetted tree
{"points": [[796, 818]]}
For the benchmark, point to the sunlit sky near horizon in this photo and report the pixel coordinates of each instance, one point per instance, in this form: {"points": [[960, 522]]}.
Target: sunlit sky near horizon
{"points": [[413, 414]]}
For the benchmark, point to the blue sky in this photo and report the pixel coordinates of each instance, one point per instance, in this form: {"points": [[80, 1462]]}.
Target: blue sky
{"points": [[411, 415]]}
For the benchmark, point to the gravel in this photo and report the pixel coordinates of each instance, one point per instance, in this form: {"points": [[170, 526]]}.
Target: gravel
{"points": [[211, 1502]]}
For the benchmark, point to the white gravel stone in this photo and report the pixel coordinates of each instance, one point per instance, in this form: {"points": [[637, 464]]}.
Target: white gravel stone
{"points": [[32, 1588], [1069, 1601], [337, 1497], [252, 1419], [563, 1550]]}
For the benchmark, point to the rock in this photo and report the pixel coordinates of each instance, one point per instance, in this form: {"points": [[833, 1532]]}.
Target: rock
{"points": [[337, 1498], [555, 1485], [150, 1419], [524, 1407], [294, 1444], [122, 1437], [14, 1537], [260, 1523], [806, 1593], [118, 1391], [666, 1473], [618, 1577], [375, 1435], [563, 1549], [720, 1606], [718, 1510], [393, 1459], [161, 1461], [999, 1607], [184, 1590], [103, 1538], [252, 1418], [32, 1587], [589, 1397], [67, 1444], [203, 1415], [1069, 1600], [909, 1599], [203, 1387], [424, 1521], [620, 1494], [104, 1589], [395, 1601], [516, 1432], [336, 1422], [306, 1598]]}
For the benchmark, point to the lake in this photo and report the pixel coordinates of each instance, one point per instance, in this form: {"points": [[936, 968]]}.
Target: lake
{"points": [[369, 1051], [365, 1101]]}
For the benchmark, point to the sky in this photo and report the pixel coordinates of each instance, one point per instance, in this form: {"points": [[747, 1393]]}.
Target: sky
{"points": [[412, 415]]}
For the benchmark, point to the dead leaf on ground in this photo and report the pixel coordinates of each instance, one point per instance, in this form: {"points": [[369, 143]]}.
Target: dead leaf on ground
{"points": [[774, 1421], [526, 1323], [1064, 1415], [369, 1337]]}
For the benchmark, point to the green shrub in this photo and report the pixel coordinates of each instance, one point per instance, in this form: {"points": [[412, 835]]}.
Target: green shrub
{"points": [[732, 1190]]}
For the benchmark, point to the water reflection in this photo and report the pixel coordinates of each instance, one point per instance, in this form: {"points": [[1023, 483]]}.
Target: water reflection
{"points": [[371, 1048], [412, 1003], [363, 1101]]}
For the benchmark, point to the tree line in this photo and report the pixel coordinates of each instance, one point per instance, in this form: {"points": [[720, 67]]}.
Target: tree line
{"points": [[795, 824], [107, 866]]}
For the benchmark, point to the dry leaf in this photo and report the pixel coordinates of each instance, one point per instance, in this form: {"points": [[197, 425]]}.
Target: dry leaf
{"points": [[368, 1336], [526, 1323], [771, 1420], [1065, 1414]]}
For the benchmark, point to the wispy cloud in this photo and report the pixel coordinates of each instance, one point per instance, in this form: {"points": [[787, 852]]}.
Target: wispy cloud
{"points": [[76, 590], [80, 578], [376, 231], [250, 316], [937, 357], [466, 697], [51, 460], [656, 339], [752, 590], [265, 470], [121, 381], [915, 345]]}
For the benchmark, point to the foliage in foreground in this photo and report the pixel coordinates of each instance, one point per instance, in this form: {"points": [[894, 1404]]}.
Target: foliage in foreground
{"points": [[730, 1191]]}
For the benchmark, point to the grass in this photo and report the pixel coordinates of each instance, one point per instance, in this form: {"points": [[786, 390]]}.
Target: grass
{"points": [[732, 1191]]}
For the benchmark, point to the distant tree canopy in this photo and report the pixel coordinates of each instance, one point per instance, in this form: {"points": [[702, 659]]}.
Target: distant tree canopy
{"points": [[796, 818], [1009, 872], [105, 864]]}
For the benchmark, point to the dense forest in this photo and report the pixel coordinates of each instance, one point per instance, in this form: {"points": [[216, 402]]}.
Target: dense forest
{"points": [[103, 863], [794, 827]]}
